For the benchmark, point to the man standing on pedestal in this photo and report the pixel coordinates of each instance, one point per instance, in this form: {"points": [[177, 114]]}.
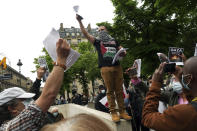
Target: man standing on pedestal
{"points": [[112, 74]]}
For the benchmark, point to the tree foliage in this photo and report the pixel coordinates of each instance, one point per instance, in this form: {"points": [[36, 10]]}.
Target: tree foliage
{"points": [[153, 27]]}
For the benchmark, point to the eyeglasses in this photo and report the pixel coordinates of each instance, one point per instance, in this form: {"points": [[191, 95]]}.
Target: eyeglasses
{"points": [[187, 79]]}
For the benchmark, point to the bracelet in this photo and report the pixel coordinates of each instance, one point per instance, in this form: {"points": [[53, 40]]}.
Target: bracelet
{"points": [[58, 64]]}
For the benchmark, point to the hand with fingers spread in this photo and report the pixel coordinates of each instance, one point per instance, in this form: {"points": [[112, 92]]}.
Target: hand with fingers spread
{"points": [[62, 49], [158, 74], [40, 72]]}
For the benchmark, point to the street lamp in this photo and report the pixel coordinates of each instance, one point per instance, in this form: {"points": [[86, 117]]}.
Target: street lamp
{"points": [[19, 64]]}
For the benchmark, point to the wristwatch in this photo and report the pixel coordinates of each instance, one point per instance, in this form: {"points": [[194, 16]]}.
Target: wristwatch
{"points": [[58, 64]]}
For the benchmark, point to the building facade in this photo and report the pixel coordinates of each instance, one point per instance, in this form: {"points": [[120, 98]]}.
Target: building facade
{"points": [[9, 77], [74, 35]]}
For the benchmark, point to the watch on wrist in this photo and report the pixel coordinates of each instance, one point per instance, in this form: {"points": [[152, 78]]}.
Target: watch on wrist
{"points": [[58, 64]]}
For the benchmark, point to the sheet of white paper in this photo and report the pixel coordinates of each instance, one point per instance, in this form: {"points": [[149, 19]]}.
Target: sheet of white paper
{"points": [[50, 46], [117, 57], [177, 63], [195, 53], [76, 8], [42, 62], [138, 61]]}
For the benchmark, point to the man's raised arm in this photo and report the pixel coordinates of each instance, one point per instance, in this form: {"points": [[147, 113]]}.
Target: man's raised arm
{"points": [[83, 30], [55, 78]]}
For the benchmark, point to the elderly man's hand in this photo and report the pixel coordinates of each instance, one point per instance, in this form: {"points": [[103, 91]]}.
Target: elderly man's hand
{"points": [[40, 72], [62, 49], [158, 74]]}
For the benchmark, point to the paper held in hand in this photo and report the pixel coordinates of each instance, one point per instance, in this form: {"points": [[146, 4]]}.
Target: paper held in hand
{"points": [[117, 55], [137, 63], [76, 8], [195, 53], [42, 62], [50, 46], [174, 55]]}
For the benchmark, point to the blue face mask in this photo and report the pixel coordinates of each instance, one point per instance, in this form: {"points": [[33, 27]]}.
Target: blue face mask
{"points": [[177, 87], [184, 85], [55, 114], [27, 102]]}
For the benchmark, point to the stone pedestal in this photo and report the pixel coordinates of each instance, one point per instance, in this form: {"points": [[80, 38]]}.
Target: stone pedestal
{"points": [[69, 110]]}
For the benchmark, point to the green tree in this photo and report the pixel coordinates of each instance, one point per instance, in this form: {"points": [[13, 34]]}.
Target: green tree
{"points": [[154, 27], [86, 67]]}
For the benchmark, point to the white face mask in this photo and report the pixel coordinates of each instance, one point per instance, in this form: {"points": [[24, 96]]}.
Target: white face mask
{"points": [[103, 91], [177, 87], [27, 102], [55, 114]]}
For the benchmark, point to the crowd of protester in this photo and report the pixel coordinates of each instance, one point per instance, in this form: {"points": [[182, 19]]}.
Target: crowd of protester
{"points": [[164, 104]]}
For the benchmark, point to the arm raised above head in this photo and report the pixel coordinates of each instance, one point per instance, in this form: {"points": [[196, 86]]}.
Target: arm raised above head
{"points": [[83, 30], [55, 78]]}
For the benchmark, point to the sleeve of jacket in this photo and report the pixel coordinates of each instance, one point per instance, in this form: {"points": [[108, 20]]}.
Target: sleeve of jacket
{"points": [[170, 118], [36, 89]]}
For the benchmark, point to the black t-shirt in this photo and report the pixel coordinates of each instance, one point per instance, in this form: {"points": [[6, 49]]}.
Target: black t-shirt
{"points": [[106, 52]]}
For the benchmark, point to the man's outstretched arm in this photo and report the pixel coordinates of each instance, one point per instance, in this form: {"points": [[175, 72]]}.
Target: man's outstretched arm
{"points": [[83, 30], [55, 78]]}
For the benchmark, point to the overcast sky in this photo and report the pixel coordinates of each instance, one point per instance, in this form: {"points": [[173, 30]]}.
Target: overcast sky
{"points": [[25, 23]]}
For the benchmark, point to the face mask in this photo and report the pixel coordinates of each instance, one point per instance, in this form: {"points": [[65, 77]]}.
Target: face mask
{"points": [[177, 87], [27, 102], [103, 91], [184, 84], [104, 36], [55, 114]]}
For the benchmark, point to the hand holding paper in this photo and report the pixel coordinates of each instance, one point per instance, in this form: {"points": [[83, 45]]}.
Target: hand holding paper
{"points": [[64, 54], [43, 66], [76, 9], [118, 56]]}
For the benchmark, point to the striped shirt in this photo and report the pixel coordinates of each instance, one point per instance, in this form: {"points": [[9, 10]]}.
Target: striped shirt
{"points": [[30, 119]]}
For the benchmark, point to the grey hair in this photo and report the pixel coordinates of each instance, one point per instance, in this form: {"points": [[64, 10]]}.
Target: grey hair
{"points": [[5, 113]]}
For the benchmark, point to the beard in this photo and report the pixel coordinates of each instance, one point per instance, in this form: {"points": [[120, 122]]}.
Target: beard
{"points": [[104, 36]]}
